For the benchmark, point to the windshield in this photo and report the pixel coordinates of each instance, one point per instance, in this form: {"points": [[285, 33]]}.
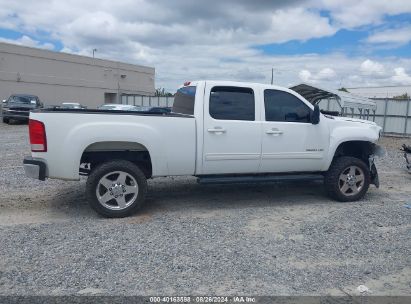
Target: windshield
{"points": [[184, 100], [23, 99]]}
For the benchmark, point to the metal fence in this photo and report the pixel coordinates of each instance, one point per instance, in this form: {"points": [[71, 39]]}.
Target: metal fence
{"points": [[394, 116], [147, 101]]}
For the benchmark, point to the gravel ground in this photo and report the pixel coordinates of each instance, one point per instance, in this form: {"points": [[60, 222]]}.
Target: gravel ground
{"points": [[267, 239]]}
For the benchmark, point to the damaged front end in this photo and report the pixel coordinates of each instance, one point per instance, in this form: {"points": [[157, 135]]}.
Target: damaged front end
{"points": [[377, 151], [407, 150], [408, 162]]}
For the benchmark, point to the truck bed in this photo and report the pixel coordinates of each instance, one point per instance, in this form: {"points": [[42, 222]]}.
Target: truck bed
{"points": [[169, 138], [109, 112]]}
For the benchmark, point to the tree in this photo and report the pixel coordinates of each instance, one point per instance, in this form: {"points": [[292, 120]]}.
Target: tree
{"points": [[162, 93], [404, 96]]}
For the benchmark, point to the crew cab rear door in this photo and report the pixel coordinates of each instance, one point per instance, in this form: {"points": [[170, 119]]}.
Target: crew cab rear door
{"points": [[231, 129]]}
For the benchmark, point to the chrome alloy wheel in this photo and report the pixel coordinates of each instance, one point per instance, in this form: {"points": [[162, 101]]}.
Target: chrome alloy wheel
{"points": [[117, 190], [351, 180]]}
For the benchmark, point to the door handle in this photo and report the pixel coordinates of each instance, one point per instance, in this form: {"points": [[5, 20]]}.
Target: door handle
{"points": [[216, 130], [274, 132]]}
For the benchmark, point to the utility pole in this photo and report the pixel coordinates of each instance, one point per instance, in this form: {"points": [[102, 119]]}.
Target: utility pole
{"points": [[272, 75], [94, 50]]}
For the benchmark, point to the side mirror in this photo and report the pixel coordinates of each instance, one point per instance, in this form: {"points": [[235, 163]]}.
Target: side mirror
{"points": [[315, 115]]}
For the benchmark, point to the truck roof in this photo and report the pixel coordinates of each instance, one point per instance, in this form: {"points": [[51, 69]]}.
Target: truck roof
{"points": [[236, 83], [24, 95]]}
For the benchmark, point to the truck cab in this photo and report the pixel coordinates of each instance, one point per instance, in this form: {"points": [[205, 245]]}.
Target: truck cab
{"points": [[257, 128]]}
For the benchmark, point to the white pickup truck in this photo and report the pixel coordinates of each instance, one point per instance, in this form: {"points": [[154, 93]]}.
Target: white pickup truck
{"points": [[218, 131]]}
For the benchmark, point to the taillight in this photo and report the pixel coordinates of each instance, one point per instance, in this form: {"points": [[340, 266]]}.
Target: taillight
{"points": [[37, 133]]}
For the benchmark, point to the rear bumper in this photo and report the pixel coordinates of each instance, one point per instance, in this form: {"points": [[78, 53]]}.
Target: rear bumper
{"points": [[35, 168]]}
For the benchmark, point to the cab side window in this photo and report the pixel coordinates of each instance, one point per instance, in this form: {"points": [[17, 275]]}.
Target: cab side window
{"points": [[232, 103], [184, 100], [283, 106]]}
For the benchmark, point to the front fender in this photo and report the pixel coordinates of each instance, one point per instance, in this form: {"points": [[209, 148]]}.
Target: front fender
{"points": [[342, 135]]}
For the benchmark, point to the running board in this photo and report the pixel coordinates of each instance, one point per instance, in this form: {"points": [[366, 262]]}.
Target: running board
{"points": [[238, 179]]}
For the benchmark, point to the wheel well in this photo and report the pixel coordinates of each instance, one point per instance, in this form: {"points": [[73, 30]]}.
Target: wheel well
{"points": [[98, 153], [357, 149]]}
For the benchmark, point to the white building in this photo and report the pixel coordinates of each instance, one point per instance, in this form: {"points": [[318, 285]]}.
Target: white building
{"points": [[59, 77]]}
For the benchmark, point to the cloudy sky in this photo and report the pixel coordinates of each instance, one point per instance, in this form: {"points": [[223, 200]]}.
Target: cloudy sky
{"points": [[328, 42]]}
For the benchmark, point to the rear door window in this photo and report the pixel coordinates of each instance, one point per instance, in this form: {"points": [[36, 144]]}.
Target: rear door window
{"points": [[232, 103]]}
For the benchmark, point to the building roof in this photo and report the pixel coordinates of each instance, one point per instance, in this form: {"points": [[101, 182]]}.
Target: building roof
{"points": [[388, 91], [73, 58]]}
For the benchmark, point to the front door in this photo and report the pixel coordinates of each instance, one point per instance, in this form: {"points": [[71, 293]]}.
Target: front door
{"points": [[290, 143], [232, 134]]}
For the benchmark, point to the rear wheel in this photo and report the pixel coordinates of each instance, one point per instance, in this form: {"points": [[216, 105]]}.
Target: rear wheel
{"points": [[116, 188], [5, 120], [348, 179]]}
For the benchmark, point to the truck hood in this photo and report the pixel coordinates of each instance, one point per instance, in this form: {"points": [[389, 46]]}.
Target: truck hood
{"points": [[355, 120], [357, 128]]}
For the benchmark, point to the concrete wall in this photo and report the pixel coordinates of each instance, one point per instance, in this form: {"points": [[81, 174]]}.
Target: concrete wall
{"points": [[59, 77]]}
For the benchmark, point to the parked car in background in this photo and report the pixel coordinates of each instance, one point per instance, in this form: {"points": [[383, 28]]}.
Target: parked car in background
{"points": [[160, 110], [72, 105], [118, 107], [143, 108], [18, 107], [123, 107]]}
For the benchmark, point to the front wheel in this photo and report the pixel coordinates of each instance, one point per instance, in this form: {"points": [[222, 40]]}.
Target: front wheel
{"points": [[116, 188], [348, 179], [5, 120]]}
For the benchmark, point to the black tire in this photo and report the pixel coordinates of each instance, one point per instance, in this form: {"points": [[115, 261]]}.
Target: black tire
{"points": [[5, 120], [333, 184], [104, 170]]}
